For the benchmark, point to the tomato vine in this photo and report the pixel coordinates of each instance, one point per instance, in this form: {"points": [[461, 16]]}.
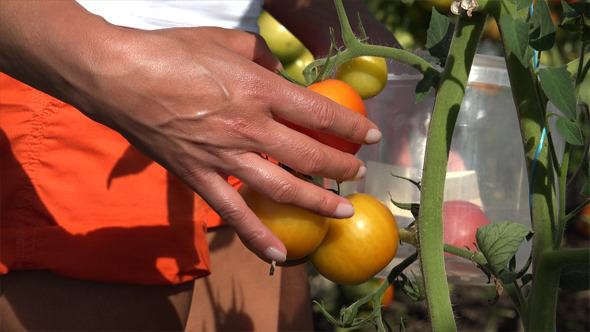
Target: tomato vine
{"points": [[526, 29]]}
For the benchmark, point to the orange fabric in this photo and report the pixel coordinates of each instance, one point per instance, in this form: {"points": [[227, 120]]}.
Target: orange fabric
{"points": [[77, 199]]}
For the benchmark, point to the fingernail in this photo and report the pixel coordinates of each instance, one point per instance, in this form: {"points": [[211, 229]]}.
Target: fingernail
{"points": [[274, 254], [344, 210], [361, 173], [373, 136]]}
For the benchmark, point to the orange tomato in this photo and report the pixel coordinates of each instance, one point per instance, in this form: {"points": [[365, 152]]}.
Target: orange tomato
{"points": [[344, 95]]}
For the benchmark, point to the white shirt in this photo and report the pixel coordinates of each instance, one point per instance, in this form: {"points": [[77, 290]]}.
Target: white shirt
{"points": [[158, 14]]}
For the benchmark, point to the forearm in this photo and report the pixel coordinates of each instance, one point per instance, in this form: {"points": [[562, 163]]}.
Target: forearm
{"points": [[53, 46], [310, 22]]}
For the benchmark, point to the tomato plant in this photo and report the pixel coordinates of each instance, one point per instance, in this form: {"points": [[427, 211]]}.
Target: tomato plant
{"points": [[527, 30], [356, 248], [295, 67], [344, 95], [282, 43], [461, 220], [300, 230], [355, 292], [366, 74]]}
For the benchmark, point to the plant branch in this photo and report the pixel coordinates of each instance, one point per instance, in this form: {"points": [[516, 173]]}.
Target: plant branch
{"points": [[558, 259], [430, 225]]}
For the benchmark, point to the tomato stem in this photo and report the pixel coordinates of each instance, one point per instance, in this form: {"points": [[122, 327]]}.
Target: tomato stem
{"points": [[430, 223], [321, 69]]}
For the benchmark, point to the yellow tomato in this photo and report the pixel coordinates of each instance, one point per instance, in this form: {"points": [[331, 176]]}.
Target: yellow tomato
{"points": [[366, 74], [355, 249], [295, 68], [282, 43], [300, 230]]}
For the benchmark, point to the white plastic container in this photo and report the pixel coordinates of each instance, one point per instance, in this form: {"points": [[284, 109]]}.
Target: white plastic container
{"points": [[486, 166]]}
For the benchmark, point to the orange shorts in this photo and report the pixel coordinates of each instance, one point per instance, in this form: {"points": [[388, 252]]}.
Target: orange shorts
{"points": [[78, 200]]}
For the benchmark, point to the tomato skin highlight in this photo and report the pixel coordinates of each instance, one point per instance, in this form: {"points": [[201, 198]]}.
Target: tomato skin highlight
{"points": [[344, 95], [357, 248], [366, 74], [300, 230]]}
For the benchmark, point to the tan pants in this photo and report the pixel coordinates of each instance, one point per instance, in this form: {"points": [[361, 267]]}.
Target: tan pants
{"points": [[238, 296]]}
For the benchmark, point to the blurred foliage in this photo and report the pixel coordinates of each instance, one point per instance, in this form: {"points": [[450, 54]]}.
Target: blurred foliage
{"points": [[409, 19]]}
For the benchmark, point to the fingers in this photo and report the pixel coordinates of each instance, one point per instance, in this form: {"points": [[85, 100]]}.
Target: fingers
{"points": [[230, 206], [252, 46], [304, 154], [314, 111], [284, 187]]}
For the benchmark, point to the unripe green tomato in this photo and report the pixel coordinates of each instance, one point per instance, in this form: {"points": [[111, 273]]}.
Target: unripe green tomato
{"points": [[282, 43], [295, 68], [366, 74]]}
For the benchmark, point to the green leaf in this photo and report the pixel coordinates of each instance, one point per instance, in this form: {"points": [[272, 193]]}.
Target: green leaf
{"points": [[515, 32], [520, 4], [428, 83], [557, 84], [574, 14], [575, 277], [499, 242], [570, 130], [542, 35], [439, 35], [585, 191]]}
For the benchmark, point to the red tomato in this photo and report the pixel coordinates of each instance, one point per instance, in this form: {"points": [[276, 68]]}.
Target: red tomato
{"points": [[344, 95], [461, 220]]}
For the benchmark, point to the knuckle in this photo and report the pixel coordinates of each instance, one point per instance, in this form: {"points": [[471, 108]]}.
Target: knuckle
{"points": [[322, 205], [284, 193], [325, 116], [232, 214], [314, 160]]}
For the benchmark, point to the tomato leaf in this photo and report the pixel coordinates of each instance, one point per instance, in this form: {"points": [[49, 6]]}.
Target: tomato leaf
{"points": [[520, 4], [570, 130], [557, 84], [499, 242], [574, 14], [575, 277], [439, 35], [515, 32], [428, 83], [542, 34], [414, 289]]}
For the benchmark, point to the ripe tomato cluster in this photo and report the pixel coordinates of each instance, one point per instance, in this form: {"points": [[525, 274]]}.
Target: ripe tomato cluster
{"points": [[359, 78], [345, 251]]}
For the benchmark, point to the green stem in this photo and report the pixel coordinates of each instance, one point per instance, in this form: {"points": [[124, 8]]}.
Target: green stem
{"points": [[354, 48], [558, 259], [540, 306], [430, 225], [563, 171]]}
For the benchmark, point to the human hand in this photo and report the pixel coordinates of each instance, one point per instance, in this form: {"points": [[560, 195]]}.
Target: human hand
{"points": [[204, 103]]}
